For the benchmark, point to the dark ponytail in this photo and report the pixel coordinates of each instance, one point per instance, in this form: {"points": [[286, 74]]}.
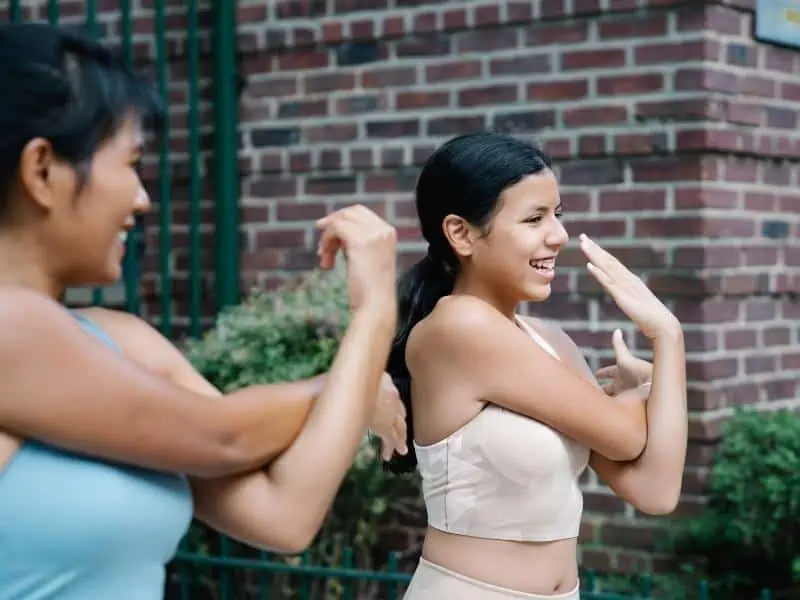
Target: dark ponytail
{"points": [[419, 289], [463, 177]]}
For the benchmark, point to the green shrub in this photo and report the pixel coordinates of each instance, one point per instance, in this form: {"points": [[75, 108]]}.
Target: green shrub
{"points": [[748, 538], [289, 334]]}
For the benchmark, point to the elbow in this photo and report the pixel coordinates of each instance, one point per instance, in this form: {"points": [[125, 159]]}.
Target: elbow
{"points": [[635, 437], [632, 444], [294, 538], [663, 503], [225, 455]]}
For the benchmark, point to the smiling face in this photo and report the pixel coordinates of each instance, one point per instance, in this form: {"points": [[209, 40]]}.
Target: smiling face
{"points": [[80, 217], [514, 259]]}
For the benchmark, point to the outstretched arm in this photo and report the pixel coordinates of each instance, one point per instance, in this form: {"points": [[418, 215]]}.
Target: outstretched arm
{"points": [[652, 482], [244, 506]]}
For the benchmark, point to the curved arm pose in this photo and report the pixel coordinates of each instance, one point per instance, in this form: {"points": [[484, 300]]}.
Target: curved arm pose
{"points": [[503, 416], [109, 440]]}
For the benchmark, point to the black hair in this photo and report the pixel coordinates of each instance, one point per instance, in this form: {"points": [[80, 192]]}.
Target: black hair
{"points": [[464, 177], [68, 89]]}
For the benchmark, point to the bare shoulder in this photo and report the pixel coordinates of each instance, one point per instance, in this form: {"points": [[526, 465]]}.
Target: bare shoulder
{"points": [[18, 302], [138, 340], [563, 344], [456, 320], [30, 320], [462, 328]]}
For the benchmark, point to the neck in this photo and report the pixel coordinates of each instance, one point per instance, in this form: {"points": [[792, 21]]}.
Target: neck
{"points": [[507, 306], [23, 265]]}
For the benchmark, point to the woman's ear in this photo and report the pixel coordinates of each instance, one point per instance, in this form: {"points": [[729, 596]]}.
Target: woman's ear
{"points": [[460, 234], [36, 164]]}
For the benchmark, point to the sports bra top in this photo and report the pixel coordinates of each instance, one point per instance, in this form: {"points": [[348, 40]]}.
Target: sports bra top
{"points": [[73, 527], [505, 476]]}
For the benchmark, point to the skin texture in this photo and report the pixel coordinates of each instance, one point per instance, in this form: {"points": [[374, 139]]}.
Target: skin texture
{"points": [[265, 462], [637, 437]]}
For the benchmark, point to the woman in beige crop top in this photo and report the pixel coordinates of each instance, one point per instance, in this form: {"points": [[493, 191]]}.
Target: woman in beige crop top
{"points": [[504, 413]]}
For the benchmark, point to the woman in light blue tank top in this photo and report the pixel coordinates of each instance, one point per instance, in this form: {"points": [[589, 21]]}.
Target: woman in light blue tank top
{"points": [[110, 443]]}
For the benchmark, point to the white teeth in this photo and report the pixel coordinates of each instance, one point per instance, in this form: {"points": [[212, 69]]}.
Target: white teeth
{"points": [[544, 265], [123, 236]]}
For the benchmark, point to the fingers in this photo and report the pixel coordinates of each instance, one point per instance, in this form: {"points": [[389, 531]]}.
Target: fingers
{"points": [[606, 372], [621, 349], [600, 257], [329, 245]]}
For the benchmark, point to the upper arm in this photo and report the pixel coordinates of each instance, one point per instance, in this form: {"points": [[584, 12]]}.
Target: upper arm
{"points": [[63, 387], [146, 346], [622, 477], [501, 363]]}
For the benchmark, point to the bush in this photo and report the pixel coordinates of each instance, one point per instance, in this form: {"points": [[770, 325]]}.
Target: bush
{"points": [[290, 334], [748, 538]]}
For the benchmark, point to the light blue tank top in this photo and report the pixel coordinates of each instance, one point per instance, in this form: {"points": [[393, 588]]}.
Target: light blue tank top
{"points": [[76, 528]]}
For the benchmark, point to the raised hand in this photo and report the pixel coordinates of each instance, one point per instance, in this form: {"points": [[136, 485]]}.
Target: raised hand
{"points": [[629, 292], [369, 246], [627, 373], [389, 419]]}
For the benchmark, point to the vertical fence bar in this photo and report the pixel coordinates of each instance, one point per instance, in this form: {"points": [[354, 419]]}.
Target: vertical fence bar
{"points": [[264, 578], [164, 204], [131, 270], [392, 568], [90, 27], [225, 592], [52, 11], [15, 11], [305, 578], [91, 18], [226, 168], [347, 583], [194, 171]]}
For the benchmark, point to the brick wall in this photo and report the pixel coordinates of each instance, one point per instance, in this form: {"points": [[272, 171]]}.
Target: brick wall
{"points": [[672, 128], [674, 135]]}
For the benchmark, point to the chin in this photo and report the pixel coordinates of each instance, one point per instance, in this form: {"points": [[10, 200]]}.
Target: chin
{"points": [[538, 293]]}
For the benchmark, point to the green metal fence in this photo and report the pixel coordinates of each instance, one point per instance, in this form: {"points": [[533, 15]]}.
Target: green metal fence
{"points": [[228, 574], [165, 300]]}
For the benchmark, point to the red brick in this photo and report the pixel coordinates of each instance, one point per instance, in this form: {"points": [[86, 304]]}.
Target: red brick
{"points": [[389, 77], [494, 94], [593, 59], [419, 100], [486, 15], [556, 33], [630, 84], [633, 27], [677, 52], [558, 90], [595, 115], [467, 69], [521, 65], [456, 18], [632, 200]]}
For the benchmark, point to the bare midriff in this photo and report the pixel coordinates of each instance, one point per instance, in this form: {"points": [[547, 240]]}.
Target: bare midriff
{"points": [[531, 567]]}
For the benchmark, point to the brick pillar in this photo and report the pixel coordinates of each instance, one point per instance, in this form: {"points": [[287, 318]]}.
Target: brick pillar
{"points": [[672, 128]]}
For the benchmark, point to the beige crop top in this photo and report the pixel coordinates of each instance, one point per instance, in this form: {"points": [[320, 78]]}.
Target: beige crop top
{"points": [[504, 476]]}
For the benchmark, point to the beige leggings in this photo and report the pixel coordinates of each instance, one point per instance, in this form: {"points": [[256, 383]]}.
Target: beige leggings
{"points": [[432, 582]]}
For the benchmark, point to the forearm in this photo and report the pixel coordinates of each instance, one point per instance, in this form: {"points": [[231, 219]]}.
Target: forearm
{"points": [[652, 482], [312, 469], [665, 454], [264, 420]]}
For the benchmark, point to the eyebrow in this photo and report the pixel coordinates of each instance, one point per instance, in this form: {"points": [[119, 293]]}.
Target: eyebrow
{"points": [[542, 208]]}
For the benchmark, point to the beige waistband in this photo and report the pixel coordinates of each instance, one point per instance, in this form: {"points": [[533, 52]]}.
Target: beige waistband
{"points": [[573, 594]]}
